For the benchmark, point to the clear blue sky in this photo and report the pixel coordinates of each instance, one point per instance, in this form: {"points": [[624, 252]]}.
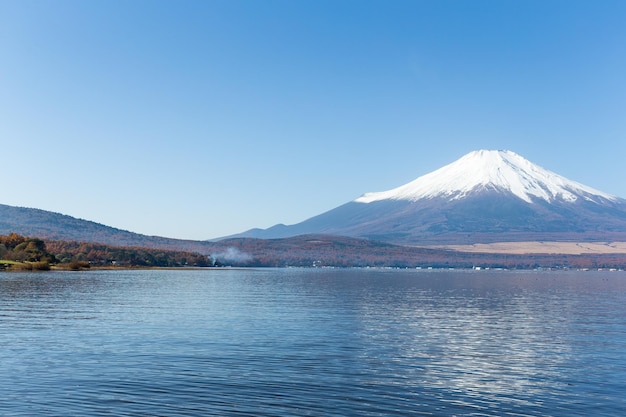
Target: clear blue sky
{"points": [[199, 119]]}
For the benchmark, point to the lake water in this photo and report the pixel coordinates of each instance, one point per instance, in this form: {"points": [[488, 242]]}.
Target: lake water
{"points": [[299, 342]]}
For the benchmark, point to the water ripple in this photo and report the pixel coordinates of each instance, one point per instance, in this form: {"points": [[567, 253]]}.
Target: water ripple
{"points": [[312, 342]]}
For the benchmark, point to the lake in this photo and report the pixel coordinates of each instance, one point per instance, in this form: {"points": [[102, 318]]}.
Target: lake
{"points": [[319, 342]]}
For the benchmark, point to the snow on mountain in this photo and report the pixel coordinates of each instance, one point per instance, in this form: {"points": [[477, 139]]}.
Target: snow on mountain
{"points": [[485, 196], [500, 170]]}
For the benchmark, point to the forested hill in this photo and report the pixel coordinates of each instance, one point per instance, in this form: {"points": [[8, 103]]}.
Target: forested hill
{"points": [[55, 226], [20, 252]]}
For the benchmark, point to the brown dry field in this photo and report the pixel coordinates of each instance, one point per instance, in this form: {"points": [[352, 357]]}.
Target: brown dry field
{"points": [[569, 248]]}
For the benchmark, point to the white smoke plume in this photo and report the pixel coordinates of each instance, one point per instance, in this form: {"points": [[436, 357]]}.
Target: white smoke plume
{"points": [[231, 255]]}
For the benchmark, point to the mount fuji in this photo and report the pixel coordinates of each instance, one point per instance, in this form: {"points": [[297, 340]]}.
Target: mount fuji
{"points": [[485, 196]]}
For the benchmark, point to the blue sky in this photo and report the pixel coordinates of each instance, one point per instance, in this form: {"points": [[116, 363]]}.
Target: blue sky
{"points": [[199, 119]]}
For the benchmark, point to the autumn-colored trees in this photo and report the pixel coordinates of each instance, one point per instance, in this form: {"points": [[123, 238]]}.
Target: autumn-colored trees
{"points": [[15, 247], [25, 252], [99, 254]]}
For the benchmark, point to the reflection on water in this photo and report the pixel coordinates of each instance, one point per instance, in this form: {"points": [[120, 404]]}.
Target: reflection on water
{"points": [[312, 342]]}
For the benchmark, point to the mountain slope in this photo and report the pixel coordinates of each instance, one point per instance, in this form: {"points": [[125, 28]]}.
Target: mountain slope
{"points": [[485, 196], [55, 226]]}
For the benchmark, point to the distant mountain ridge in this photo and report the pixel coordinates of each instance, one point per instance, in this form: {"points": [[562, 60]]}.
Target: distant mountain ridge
{"points": [[485, 196], [55, 226]]}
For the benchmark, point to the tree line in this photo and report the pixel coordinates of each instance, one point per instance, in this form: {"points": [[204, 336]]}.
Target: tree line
{"points": [[20, 252]]}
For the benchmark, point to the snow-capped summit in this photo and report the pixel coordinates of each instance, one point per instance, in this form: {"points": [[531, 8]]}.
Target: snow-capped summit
{"points": [[492, 170], [485, 196]]}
